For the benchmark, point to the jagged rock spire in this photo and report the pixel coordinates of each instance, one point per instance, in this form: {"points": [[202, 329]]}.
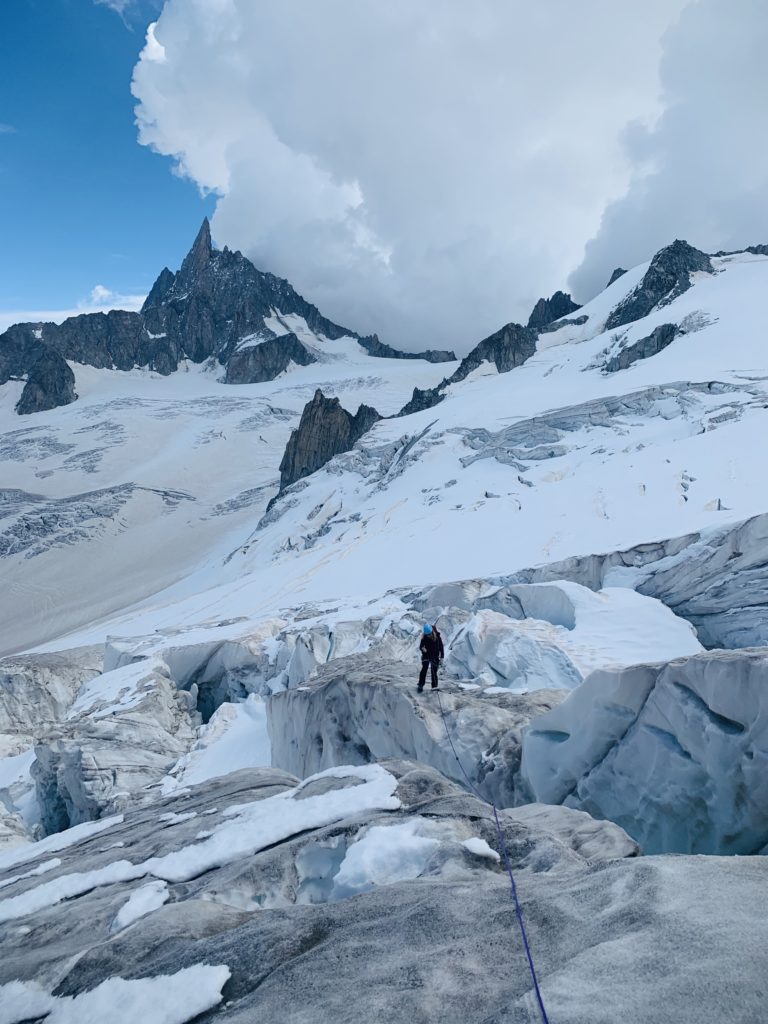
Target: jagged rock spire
{"points": [[199, 255]]}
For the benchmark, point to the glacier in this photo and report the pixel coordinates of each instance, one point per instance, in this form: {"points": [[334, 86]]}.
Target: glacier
{"points": [[212, 755]]}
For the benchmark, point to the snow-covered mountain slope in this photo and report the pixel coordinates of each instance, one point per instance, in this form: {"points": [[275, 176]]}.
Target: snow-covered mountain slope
{"points": [[147, 478], [554, 459]]}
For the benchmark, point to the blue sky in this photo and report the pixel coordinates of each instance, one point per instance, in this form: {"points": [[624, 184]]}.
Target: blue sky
{"points": [[83, 204], [388, 159]]}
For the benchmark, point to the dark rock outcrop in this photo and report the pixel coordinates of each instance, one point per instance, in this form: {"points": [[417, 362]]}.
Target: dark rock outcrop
{"points": [[657, 340], [265, 361], [547, 310], [618, 272], [19, 349], [667, 277], [507, 348], [325, 429], [114, 340], [50, 383], [374, 347], [421, 400], [753, 250], [575, 321]]}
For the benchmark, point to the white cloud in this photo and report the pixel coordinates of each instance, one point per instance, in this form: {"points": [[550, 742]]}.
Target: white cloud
{"points": [[100, 300], [100, 295], [701, 173], [424, 170], [153, 50], [119, 6], [138, 9], [7, 129]]}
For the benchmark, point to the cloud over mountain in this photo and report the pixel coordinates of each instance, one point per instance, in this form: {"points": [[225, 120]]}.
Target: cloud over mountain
{"points": [[701, 172], [427, 171]]}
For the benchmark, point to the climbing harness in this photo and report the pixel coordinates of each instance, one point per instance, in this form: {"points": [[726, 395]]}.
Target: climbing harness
{"points": [[507, 864]]}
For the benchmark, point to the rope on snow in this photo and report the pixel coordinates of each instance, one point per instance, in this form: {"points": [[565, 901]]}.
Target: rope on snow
{"points": [[507, 865]]}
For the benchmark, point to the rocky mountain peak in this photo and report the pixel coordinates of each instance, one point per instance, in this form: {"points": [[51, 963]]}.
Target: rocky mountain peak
{"points": [[547, 310], [199, 256], [668, 276], [506, 348], [617, 273]]}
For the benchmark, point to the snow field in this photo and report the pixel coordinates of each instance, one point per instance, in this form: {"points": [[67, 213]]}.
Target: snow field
{"points": [[247, 829], [236, 737], [164, 999], [628, 478]]}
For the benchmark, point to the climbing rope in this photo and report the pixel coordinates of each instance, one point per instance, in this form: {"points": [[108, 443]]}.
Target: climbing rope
{"points": [[507, 864]]}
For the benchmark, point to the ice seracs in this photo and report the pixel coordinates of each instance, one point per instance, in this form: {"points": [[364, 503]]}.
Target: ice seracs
{"points": [[673, 752]]}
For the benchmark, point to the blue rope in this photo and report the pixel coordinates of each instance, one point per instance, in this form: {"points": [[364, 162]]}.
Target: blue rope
{"points": [[507, 865]]}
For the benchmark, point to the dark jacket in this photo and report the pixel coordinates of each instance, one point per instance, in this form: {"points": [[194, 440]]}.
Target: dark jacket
{"points": [[431, 646]]}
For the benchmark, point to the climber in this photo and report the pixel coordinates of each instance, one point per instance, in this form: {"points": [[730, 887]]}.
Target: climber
{"points": [[432, 654]]}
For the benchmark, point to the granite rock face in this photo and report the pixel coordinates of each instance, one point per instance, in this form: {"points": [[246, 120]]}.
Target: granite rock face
{"points": [[50, 382], [656, 341], [114, 340], [218, 298], [251, 364], [20, 347], [374, 347], [617, 273], [423, 398], [547, 310], [753, 250], [325, 429], [506, 348], [667, 277]]}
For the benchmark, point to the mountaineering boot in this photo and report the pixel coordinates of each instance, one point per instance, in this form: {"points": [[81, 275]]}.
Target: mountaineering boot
{"points": [[419, 689]]}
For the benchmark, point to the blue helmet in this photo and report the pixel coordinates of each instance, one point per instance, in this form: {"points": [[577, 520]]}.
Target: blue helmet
{"points": [[427, 629]]}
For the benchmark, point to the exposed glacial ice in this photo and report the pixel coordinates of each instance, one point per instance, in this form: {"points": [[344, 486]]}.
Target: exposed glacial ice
{"points": [[676, 753], [660, 928]]}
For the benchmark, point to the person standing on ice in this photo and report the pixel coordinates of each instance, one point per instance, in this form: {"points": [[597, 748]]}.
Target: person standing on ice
{"points": [[432, 654]]}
